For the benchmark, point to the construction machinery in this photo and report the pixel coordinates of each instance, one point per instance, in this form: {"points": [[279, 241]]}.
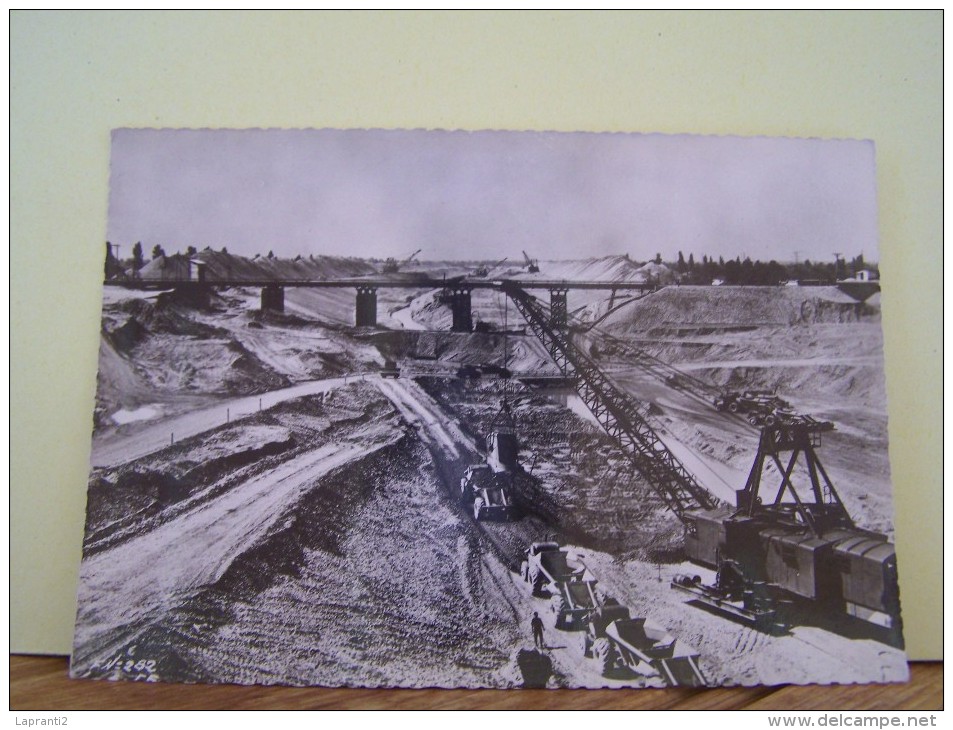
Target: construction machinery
{"points": [[573, 603], [502, 443], [532, 265], [392, 265], [643, 647], [622, 644], [554, 572], [546, 565], [624, 419], [490, 493], [760, 407], [798, 552], [752, 603], [390, 370], [483, 271], [780, 557], [490, 486]]}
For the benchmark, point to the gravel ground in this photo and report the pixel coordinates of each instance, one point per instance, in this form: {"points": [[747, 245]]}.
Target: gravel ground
{"points": [[319, 541]]}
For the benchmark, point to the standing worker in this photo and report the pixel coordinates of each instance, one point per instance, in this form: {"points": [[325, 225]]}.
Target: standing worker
{"points": [[537, 625]]}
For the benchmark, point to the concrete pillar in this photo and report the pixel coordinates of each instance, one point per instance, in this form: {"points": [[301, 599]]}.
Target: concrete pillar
{"points": [[462, 312], [197, 270], [273, 298], [558, 316], [366, 312], [192, 294]]}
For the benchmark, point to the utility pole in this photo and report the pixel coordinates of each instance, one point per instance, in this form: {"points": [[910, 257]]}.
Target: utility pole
{"points": [[840, 267]]}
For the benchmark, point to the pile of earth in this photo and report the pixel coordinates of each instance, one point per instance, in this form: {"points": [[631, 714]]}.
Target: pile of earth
{"points": [[220, 265], [154, 489], [152, 348], [369, 577], [696, 306], [601, 268]]}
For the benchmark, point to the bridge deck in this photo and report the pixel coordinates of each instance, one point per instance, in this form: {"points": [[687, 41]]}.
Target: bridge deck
{"points": [[384, 283]]}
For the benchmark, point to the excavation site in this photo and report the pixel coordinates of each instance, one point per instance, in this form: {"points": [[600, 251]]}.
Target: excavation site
{"points": [[559, 473]]}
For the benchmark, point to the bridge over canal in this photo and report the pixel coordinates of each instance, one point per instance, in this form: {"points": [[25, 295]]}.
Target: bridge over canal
{"points": [[455, 291]]}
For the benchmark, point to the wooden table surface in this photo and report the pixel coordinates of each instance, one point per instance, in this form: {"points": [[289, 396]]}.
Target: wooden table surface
{"points": [[41, 683]]}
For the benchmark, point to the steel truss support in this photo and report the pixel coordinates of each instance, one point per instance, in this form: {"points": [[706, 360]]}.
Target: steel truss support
{"points": [[618, 414], [558, 308], [825, 510]]}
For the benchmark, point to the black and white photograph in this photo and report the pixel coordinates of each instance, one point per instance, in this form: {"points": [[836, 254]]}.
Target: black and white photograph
{"points": [[421, 408]]}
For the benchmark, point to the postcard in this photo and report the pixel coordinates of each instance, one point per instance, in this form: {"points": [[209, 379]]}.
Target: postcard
{"points": [[409, 408]]}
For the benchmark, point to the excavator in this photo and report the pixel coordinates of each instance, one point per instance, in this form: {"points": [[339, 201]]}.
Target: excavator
{"points": [[489, 486], [392, 265], [482, 271], [779, 558], [532, 265], [796, 547]]}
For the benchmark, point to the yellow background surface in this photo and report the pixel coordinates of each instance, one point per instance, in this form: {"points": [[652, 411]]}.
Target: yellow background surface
{"points": [[75, 76]]}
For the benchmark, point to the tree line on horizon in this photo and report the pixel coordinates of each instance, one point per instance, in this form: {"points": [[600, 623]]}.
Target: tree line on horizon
{"points": [[741, 272], [122, 265], [737, 271]]}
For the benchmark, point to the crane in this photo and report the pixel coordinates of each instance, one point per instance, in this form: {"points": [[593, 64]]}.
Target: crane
{"points": [[483, 270], [532, 265], [392, 265], [622, 418], [769, 551]]}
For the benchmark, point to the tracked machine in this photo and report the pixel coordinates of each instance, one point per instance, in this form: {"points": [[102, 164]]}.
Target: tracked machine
{"points": [[488, 492], [781, 556], [489, 487], [483, 270], [392, 265], [532, 265], [794, 559]]}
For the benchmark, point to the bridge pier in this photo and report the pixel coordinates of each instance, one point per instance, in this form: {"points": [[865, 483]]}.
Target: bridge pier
{"points": [[366, 313], [193, 294], [197, 271], [273, 298], [558, 312], [460, 304]]}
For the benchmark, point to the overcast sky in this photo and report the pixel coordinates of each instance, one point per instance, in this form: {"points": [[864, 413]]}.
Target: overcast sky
{"points": [[488, 195]]}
